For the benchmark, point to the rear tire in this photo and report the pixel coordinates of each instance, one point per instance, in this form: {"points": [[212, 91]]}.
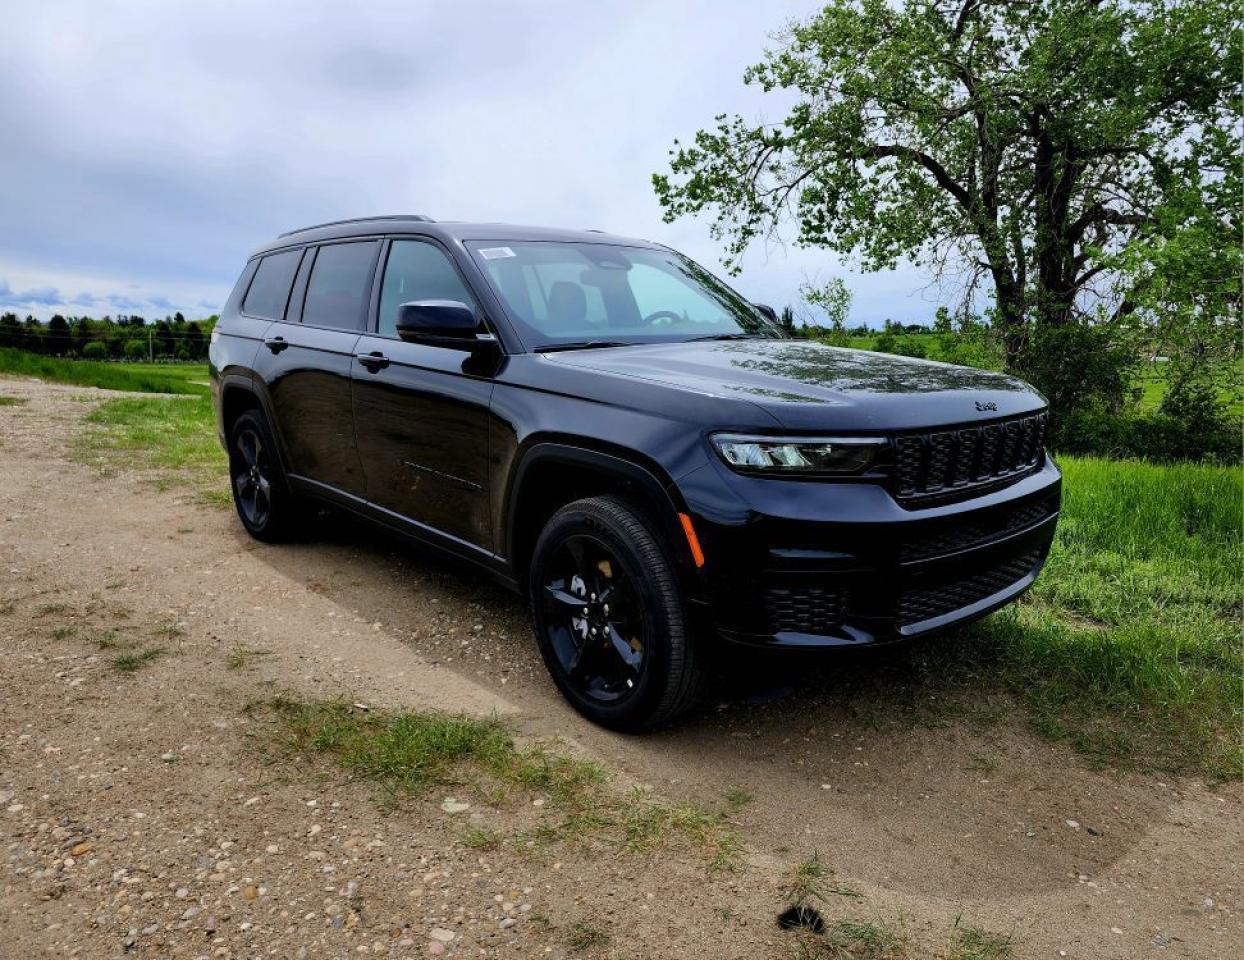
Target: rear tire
{"points": [[609, 617], [261, 494]]}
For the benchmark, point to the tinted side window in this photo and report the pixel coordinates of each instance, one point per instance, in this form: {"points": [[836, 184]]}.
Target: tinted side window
{"points": [[417, 271], [270, 288], [340, 282]]}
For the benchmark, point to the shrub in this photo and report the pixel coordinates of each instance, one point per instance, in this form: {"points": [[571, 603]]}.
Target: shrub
{"points": [[94, 351], [1142, 436], [136, 349], [1078, 366]]}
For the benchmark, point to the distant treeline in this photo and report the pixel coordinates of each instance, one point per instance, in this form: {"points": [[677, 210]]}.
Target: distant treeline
{"points": [[129, 337]]}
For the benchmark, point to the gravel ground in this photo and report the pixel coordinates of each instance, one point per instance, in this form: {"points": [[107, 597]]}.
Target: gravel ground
{"points": [[151, 814]]}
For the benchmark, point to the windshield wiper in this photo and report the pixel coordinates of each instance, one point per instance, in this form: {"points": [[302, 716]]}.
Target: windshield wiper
{"points": [[727, 336], [579, 345]]}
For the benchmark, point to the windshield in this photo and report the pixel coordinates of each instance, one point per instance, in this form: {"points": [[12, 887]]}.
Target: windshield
{"points": [[597, 294]]}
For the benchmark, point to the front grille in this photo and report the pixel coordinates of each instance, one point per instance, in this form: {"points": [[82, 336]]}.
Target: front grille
{"points": [[804, 609], [947, 462], [927, 603], [976, 532]]}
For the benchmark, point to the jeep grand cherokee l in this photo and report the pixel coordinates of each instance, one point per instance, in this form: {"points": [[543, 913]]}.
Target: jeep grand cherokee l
{"points": [[604, 426]]}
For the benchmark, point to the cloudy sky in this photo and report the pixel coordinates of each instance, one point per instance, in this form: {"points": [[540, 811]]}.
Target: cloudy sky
{"points": [[149, 146]]}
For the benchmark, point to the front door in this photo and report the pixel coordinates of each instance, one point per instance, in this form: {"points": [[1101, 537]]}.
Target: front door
{"points": [[420, 418]]}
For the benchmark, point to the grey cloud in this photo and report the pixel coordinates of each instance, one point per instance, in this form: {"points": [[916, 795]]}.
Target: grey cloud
{"points": [[165, 163], [38, 296]]}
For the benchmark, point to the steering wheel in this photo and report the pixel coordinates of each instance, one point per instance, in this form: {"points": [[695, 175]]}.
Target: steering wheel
{"points": [[662, 316]]}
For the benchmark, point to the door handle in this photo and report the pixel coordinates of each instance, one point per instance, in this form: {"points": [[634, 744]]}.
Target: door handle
{"points": [[275, 344], [372, 361]]}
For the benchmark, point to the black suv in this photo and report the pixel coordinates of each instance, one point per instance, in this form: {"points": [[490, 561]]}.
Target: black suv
{"points": [[606, 427]]}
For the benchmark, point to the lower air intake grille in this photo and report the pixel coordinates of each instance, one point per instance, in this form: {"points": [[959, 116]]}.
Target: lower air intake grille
{"points": [[977, 532], [925, 604], [804, 609]]}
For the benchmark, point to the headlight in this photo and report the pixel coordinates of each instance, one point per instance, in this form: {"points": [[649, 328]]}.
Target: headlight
{"points": [[797, 455]]}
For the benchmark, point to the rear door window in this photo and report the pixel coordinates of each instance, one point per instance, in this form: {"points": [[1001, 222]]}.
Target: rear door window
{"points": [[340, 285], [417, 270], [269, 291]]}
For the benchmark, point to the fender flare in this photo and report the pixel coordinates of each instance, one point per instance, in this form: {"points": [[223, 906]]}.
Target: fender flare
{"points": [[663, 494], [248, 383]]}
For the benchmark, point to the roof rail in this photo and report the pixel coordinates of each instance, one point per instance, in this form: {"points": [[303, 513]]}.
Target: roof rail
{"points": [[333, 223]]}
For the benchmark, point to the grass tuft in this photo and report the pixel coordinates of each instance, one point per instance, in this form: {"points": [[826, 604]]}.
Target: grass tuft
{"points": [[583, 935], [410, 753], [136, 660], [975, 943]]}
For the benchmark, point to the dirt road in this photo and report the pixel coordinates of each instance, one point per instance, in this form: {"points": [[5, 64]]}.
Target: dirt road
{"points": [[142, 814]]}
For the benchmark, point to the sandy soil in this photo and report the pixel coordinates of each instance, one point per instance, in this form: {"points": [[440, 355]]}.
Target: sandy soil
{"points": [[141, 815]]}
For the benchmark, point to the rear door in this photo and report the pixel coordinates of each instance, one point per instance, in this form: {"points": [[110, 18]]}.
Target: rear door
{"points": [[306, 363], [420, 414]]}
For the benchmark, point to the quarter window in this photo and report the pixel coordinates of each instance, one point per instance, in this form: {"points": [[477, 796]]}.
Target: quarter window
{"points": [[340, 283], [269, 289], [417, 271]]}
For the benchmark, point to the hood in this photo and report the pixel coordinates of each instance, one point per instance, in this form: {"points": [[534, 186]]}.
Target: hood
{"points": [[810, 386]]}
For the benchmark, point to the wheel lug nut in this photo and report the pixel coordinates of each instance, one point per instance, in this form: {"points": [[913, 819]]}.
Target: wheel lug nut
{"points": [[606, 609], [586, 611], [593, 598], [593, 631]]}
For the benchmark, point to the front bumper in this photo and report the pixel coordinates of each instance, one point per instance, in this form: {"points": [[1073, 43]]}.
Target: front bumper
{"points": [[810, 565]]}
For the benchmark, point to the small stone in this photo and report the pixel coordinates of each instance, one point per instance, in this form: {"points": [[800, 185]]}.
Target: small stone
{"points": [[190, 913], [79, 849], [435, 948], [169, 757], [450, 805], [507, 922], [1074, 824], [181, 893], [1116, 930], [273, 848], [250, 892], [441, 935]]}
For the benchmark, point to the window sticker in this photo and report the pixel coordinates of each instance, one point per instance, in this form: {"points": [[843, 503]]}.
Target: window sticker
{"points": [[496, 253]]}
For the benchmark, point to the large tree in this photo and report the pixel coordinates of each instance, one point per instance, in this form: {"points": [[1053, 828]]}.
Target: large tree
{"points": [[1057, 151]]}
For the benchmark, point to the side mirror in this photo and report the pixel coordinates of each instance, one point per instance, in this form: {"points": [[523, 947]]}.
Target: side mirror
{"points": [[437, 322], [767, 310]]}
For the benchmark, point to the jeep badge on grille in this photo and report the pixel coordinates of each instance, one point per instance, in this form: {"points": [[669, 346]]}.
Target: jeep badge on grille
{"points": [[985, 405]]}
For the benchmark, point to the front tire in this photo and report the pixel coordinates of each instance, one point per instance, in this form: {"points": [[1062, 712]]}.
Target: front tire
{"points": [[264, 503], [609, 617]]}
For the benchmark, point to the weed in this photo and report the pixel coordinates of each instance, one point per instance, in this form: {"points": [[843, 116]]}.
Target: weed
{"points": [[62, 633], [12, 401], [241, 656], [974, 943], [480, 838], [583, 935], [133, 662], [47, 609], [737, 797], [812, 879]]}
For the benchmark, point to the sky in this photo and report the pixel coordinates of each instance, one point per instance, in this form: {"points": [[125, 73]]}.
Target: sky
{"points": [[147, 147]]}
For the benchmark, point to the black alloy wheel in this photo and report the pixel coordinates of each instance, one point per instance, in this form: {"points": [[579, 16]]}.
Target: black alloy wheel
{"points": [[594, 622], [609, 617], [252, 478], [264, 503]]}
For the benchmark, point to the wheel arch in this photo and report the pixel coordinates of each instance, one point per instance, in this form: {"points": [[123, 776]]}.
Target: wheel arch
{"points": [[554, 472], [239, 394]]}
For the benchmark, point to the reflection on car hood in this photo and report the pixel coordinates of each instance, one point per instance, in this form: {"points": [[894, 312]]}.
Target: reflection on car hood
{"points": [[808, 385]]}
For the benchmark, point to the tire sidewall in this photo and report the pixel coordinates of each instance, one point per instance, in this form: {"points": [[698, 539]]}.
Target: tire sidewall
{"points": [[661, 614]]}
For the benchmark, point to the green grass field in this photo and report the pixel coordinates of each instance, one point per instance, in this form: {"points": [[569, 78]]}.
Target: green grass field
{"points": [[188, 378]]}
